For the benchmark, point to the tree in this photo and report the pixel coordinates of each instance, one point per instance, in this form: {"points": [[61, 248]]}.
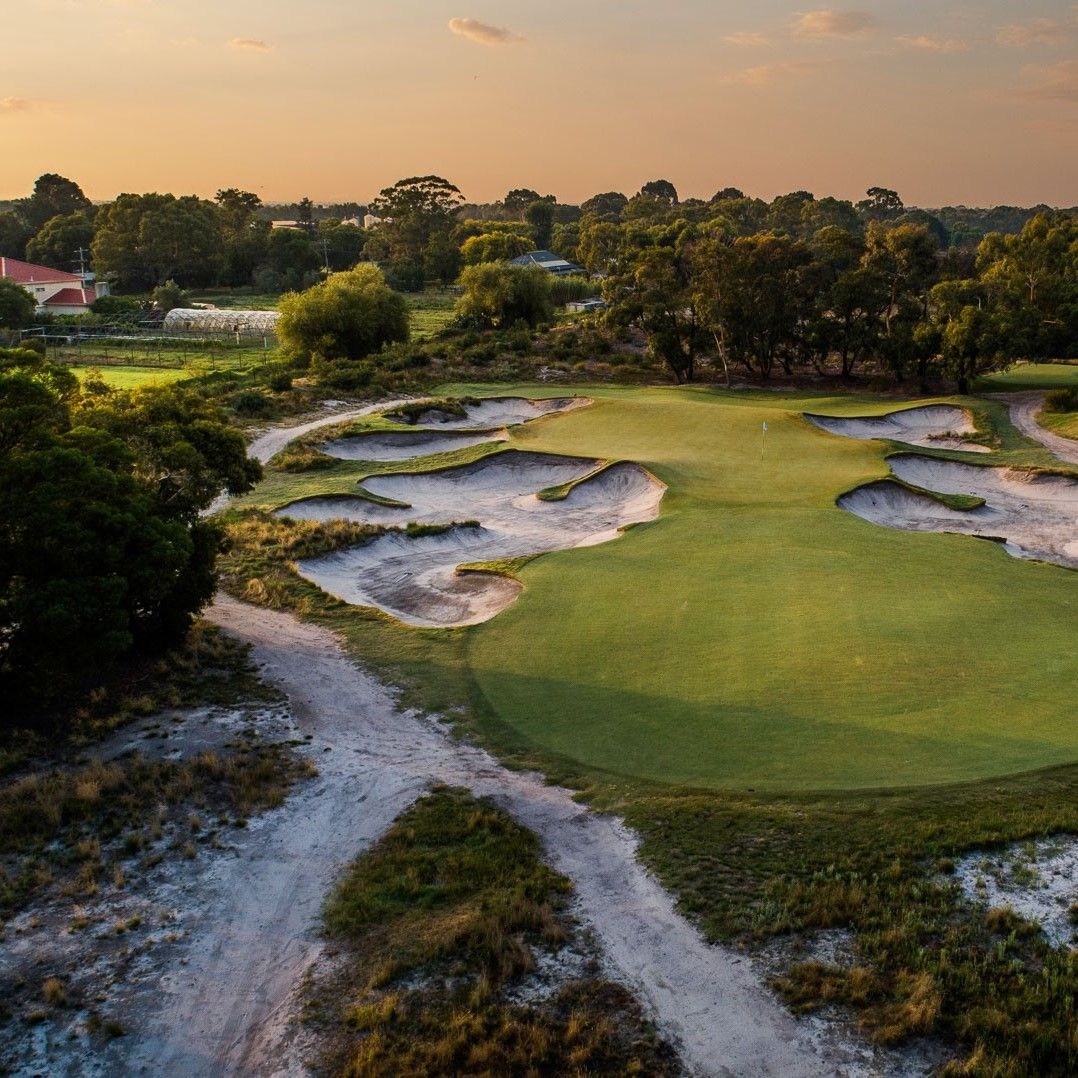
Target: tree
{"points": [[726, 194], [103, 550], [412, 211], [292, 257], [145, 240], [663, 190], [341, 245], [881, 202], [245, 234], [168, 296], [786, 213], [60, 240], [441, 260], [53, 196], [608, 204], [519, 199], [17, 306], [970, 346], [348, 316], [904, 257], [494, 247], [540, 215], [14, 235], [498, 294], [650, 286]]}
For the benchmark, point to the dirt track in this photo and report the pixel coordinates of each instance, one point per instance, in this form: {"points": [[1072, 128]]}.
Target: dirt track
{"points": [[1024, 408], [226, 1009]]}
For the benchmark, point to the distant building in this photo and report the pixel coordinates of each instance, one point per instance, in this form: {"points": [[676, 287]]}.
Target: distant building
{"points": [[54, 291], [549, 261], [370, 220], [285, 224], [585, 306]]}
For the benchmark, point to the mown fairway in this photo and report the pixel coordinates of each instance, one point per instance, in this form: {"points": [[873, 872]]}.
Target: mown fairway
{"points": [[756, 636]]}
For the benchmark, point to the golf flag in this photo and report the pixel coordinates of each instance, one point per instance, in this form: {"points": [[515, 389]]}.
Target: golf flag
{"points": [[765, 426]]}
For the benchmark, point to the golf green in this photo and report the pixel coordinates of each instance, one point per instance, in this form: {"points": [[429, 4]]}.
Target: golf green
{"points": [[756, 636]]}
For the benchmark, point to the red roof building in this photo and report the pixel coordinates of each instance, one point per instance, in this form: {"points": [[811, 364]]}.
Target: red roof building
{"points": [[55, 291]]}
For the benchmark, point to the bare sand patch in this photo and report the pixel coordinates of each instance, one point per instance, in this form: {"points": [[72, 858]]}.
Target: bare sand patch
{"points": [[1035, 516], [498, 412], [938, 426], [1038, 880], [417, 579], [404, 444]]}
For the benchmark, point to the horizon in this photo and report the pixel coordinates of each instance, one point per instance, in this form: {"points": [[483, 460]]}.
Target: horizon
{"points": [[971, 106]]}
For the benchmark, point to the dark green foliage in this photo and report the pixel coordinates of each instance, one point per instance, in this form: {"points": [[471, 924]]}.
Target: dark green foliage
{"points": [[1061, 400], [16, 305], [102, 548]]}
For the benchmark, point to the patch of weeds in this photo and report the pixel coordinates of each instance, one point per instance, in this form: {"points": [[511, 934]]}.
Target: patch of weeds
{"points": [[436, 922]]}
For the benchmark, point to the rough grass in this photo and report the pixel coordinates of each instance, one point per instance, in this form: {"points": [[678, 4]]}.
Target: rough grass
{"points": [[430, 312], [53, 823], [133, 377], [436, 922]]}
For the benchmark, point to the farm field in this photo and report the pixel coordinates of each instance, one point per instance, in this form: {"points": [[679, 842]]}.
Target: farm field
{"points": [[755, 636]]}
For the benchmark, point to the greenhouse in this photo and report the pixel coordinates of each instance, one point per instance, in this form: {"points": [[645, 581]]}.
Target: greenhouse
{"points": [[242, 323]]}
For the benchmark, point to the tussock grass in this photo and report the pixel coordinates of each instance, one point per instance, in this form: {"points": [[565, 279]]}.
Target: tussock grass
{"points": [[54, 824], [436, 922]]}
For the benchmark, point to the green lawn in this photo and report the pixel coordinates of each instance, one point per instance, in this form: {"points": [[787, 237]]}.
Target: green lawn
{"points": [[1031, 376], [1064, 423], [430, 311], [238, 299], [755, 636], [136, 377]]}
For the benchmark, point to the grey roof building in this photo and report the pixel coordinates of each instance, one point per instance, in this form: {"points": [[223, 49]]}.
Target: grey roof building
{"points": [[549, 261]]}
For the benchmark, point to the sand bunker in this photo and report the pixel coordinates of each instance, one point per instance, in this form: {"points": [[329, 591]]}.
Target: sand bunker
{"points": [[417, 579], [937, 426], [405, 444], [1035, 516], [498, 412]]}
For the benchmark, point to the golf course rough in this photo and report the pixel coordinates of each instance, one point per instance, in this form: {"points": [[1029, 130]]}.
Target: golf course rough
{"points": [[756, 635]]}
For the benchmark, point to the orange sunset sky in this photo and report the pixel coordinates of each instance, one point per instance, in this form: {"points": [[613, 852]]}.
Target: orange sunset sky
{"points": [[949, 101]]}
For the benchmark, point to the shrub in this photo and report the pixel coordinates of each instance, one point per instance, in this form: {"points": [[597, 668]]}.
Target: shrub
{"points": [[1062, 400]]}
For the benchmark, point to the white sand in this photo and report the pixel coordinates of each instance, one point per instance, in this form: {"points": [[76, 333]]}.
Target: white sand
{"points": [[933, 425], [1035, 515], [416, 580], [404, 444], [499, 412]]}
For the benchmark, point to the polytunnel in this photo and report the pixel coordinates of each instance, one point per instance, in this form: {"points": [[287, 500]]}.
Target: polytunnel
{"points": [[198, 320]]}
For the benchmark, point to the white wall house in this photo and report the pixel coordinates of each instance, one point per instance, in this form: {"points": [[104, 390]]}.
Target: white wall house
{"points": [[54, 291]]}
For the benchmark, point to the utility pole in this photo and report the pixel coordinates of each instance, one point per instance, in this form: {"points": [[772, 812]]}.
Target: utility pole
{"points": [[83, 255]]}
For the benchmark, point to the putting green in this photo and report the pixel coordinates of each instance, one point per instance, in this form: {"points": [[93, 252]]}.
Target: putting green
{"points": [[757, 636]]}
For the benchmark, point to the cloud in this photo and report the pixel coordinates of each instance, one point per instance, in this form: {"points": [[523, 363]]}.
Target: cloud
{"points": [[826, 22], [747, 39], [1021, 35], [9, 106], [483, 33], [1058, 82], [927, 43], [766, 74], [249, 44]]}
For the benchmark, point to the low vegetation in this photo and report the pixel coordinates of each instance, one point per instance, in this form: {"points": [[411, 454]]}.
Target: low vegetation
{"points": [[441, 927]]}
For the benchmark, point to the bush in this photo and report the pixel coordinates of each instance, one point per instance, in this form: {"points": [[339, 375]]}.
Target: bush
{"points": [[1062, 400], [250, 402], [499, 294], [347, 316], [122, 308]]}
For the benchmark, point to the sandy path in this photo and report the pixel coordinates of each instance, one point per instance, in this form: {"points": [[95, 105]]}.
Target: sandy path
{"points": [[1024, 408], [226, 1008]]}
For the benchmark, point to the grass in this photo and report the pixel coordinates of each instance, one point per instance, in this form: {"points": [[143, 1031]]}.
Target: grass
{"points": [[430, 311], [238, 299], [1031, 376], [133, 377], [772, 641], [1064, 423], [715, 675], [436, 922]]}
